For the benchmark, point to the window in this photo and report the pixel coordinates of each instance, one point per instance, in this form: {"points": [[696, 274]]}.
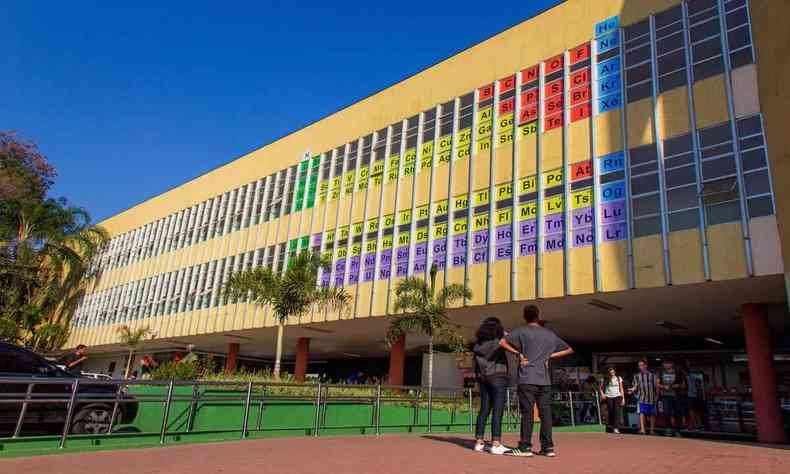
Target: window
{"points": [[739, 37], [754, 165], [277, 198], [13, 361], [645, 198], [239, 211], [638, 67], [290, 189], [705, 34]]}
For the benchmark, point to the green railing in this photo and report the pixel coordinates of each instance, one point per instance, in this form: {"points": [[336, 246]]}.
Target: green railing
{"points": [[168, 411]]}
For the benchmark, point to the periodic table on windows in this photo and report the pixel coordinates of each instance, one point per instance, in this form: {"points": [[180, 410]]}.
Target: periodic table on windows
{"points": [[578, 181]]}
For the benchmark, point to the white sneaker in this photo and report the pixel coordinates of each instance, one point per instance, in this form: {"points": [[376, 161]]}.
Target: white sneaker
{"points": [[501, 449], [616, 431], [480, 447]]}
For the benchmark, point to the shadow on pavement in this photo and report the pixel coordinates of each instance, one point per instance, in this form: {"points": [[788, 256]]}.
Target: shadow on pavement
{"points": [[462, 442]]}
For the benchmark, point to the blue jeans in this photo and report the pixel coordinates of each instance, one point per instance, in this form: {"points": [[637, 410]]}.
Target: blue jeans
{"points": [[492, 401]]}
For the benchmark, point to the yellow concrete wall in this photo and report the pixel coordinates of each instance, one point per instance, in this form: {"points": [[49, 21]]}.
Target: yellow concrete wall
{"points": [[770, 36], [502, 55]]}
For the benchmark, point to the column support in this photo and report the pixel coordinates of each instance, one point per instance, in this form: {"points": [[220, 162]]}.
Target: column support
{"points": [[762, 375], [397, 361], [302, 358], [232, 358]]}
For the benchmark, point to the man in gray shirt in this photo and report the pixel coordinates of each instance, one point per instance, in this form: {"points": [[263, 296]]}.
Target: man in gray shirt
{"points": [[535, 345]]}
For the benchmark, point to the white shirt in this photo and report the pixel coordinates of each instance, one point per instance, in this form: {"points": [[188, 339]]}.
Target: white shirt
{"points": [[613, 387]]}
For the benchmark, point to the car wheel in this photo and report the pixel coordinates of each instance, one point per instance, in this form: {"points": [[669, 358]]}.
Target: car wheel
{"points": [[92, 420]]}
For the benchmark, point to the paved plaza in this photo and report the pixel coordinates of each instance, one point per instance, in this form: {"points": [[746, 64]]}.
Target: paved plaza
{"points": [[578, 453]]}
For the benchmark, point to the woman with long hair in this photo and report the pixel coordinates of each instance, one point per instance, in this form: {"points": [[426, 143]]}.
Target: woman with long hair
{"points": [[491, 371], [612, 391]]}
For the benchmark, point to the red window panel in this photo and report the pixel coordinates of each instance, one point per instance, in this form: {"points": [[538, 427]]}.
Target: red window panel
{"points": [[507, 84], [553, 64], [552, 122], [580, 95], [553, 88], [581, 170], [529, 97], [507, 106], [581, 112], [528, 114], [579, 53], [530, 74], [580, 77], [485, 92], [553, 105]]}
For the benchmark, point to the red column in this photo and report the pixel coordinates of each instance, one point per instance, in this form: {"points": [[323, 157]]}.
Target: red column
{"points": [[770, 427], [397, 361], [233, 353], [302, 356]]}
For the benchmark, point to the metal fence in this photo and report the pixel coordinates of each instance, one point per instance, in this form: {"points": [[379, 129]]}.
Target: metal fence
{"points": [[67, 396]]}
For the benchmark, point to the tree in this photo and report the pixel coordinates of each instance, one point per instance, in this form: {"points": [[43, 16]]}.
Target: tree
{"points": [[24, 172], [46, 250], [132, 338], [291, 294], [425, 311]]}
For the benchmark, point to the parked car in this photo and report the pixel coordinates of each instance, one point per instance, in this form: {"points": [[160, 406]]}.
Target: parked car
{"points": [[89, 416]]}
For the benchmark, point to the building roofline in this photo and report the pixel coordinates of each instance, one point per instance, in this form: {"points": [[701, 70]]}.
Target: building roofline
{"points": [[355, 102]]}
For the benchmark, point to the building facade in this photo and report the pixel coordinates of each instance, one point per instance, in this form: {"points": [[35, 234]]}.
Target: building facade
{"points": [[619, 154]]}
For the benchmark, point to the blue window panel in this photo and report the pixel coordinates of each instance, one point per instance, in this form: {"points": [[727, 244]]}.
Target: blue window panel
{"points": [[613, 191], [607, 26]]}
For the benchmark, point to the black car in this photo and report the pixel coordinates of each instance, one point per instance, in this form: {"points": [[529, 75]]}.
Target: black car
{"points": [[91, 414]]}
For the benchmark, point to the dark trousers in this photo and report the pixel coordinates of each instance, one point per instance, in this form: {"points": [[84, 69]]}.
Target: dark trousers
{"points": [[492, 402], [615, 409], [528, 396]]}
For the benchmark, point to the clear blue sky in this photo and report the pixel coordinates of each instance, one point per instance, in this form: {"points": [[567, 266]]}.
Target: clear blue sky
{"points": [[129, 101]]}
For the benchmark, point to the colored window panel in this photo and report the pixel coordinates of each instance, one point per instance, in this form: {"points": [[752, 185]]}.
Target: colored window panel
{"points": [[552, 178], [553, 122], [485, 92], [554, 64], [579, 53], [607, 26], [580, 78], [581, 112], [530, 74], [506, 106], [580, 170], [580, 95], [553, 88], [553, 105], [529, 97], [507, 84], [528, 114]]}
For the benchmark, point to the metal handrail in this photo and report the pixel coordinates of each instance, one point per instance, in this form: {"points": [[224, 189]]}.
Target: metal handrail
{"points": [[249, 392]]}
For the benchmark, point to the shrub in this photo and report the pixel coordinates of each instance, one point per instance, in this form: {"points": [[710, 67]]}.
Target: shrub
{"points": [[176, 371]]}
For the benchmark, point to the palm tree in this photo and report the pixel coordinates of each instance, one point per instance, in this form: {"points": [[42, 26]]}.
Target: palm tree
{"points": [[132, 338], [290, 294], [425, 311], [46, 250]]}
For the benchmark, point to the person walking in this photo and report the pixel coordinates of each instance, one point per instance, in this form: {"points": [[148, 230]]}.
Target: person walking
{"points": [[535, 346], [491, 372], [695, 400], [671, 385], [612, 391], [645, 386]]}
